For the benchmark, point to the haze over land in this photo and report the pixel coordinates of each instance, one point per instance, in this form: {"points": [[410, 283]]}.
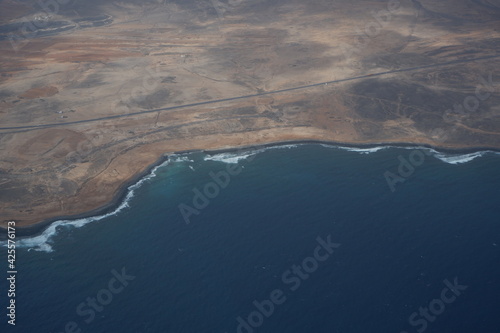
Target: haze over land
{"points": [[94, 92]]}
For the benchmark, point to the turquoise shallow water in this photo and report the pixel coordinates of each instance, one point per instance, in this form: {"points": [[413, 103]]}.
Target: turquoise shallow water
{"points": [[262, 236]]}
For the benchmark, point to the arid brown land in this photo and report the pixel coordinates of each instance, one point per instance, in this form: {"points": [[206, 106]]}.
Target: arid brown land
{"points": [[92, 93]]}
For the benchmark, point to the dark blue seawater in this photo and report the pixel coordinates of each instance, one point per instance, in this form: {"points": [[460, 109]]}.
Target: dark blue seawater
{"points": [[394, 254]]}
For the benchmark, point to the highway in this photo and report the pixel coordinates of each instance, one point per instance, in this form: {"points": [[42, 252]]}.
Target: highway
{"points": [[42, 126]]}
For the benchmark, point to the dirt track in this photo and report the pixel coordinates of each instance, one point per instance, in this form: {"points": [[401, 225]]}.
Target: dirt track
{"points": [[85, 109]]}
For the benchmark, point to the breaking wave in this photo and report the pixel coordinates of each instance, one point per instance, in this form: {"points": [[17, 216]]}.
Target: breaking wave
{"points": [[235, 157], [449, 158], [358, 150], [43, 241], [459, 159]]}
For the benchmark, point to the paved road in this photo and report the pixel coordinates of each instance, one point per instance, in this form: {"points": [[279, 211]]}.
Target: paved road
{"points": [[454, 62]]}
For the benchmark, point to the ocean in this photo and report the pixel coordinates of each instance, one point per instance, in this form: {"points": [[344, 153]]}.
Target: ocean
{"points": [[290, 238]]}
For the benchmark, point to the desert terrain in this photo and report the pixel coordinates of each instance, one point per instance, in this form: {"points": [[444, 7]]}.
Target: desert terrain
{"points": [[92, 93]]}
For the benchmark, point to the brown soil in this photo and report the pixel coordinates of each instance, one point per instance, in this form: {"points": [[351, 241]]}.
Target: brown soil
{"points": [[160, 56]]}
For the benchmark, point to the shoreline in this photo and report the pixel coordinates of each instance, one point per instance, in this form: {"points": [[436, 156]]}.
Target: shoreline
{"points": [[121, 193]]}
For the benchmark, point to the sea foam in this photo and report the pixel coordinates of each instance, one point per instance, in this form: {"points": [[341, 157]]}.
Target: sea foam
{"points": [[43, 242], [229, 158], [359, 150], [449, 158], [459, 159], [237, 156]]}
